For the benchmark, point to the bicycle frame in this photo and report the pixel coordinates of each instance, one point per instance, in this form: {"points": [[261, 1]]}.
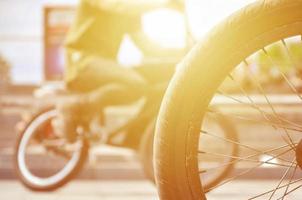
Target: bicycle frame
{"points": [[134, 127]]}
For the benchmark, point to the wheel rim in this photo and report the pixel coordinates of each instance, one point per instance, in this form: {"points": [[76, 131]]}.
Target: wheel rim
{"points": [[261, 100], [21, 157], [224, 130]]}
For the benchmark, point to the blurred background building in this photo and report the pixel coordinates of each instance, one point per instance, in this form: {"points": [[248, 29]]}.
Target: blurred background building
{"points": [[22, 31]]}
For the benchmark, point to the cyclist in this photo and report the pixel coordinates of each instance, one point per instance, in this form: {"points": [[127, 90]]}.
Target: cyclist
{"points": [[92, 70]]}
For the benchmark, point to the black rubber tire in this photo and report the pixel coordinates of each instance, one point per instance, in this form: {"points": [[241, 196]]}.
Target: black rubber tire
{"points": [[146, 151], [196, 80], [82, 158]]}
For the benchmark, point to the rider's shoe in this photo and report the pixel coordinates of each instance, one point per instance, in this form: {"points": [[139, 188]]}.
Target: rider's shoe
{"points": [[74, 112]]}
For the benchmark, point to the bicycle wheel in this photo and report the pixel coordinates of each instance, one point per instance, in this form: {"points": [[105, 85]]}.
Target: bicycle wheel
{"points": [[45, 161], [245, 38], [222, 127]]}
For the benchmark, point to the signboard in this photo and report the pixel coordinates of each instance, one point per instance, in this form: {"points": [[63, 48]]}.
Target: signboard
{"points": [[57, 20]]}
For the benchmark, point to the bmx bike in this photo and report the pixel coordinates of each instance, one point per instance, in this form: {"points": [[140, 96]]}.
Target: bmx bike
{"points": [[38, 144]]}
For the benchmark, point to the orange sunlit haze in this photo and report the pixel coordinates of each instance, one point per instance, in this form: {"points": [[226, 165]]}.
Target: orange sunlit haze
{"points": [[151, 99]]}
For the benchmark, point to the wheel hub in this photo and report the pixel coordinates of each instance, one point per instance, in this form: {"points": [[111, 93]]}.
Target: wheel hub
{"points": [[299, 154]]}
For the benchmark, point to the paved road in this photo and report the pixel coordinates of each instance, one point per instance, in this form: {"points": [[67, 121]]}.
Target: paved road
{"points": [[83, 190], [117, 175], [125, 190]]}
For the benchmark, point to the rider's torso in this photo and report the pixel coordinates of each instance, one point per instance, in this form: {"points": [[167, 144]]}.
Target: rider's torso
{"points": [[98, 32]]}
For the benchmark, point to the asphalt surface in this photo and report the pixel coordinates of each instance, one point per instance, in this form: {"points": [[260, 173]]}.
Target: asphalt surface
{"points": [[83, 190], [125, 190], [116, 174]]}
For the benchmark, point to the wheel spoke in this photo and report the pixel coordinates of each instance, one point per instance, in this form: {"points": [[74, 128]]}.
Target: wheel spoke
{"points": [[243, 159], [282, 178], [280, 187], [260, 88], [292, 190], [256, 121], [247, 157], [240, 144], [246, 171], [289, 181], [253, 105]]}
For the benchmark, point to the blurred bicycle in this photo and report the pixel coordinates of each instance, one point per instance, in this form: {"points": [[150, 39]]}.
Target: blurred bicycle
{"points": [[40, 144]]}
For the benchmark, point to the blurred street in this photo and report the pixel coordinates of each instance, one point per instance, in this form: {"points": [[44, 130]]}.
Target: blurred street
{"points": [[116, 190], [116, 173], [84, 189]]}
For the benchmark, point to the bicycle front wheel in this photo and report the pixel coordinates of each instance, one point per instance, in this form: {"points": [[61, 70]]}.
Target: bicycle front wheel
{"points": [[246, 65]]}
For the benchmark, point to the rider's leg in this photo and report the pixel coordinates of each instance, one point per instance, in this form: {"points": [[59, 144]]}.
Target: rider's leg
{"points": [[93, 72], [102, 83], [106, 83]]}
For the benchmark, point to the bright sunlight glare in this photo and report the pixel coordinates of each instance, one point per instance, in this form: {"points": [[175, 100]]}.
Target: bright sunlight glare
{"points": [[168, 27]]}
